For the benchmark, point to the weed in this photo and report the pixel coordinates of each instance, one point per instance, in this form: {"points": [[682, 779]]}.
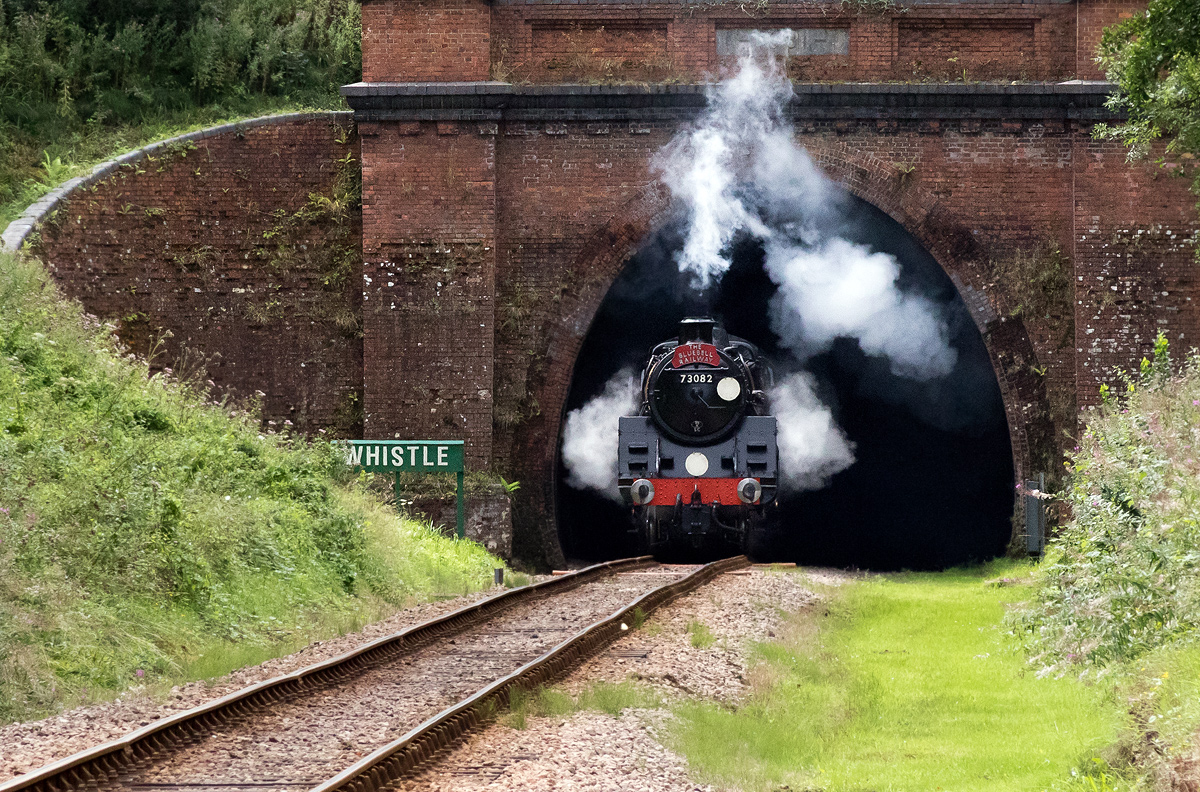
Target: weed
{"points": [[516, 579], [543, 702], [702, 637], [1120, 580], [612, 698]]}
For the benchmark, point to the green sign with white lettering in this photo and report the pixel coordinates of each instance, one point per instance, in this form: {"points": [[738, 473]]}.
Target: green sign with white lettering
{"points": [[411, 456], [406, 456]]}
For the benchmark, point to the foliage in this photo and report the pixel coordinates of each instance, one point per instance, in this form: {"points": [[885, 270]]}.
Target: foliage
{"points": [[80, 81], [701, 636], [611, 698], [1154, 59], [147, 533], [1121, 578], [904, 682]]}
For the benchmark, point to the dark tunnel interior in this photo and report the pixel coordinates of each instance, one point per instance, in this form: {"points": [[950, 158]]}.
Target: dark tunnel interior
{"points": [[932, 484]]}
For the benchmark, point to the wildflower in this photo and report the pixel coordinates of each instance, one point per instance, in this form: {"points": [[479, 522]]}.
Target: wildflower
{"points": [[139, 673]]}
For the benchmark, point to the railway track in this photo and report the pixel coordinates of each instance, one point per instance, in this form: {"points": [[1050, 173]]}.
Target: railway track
{"points": [[359, 721]]}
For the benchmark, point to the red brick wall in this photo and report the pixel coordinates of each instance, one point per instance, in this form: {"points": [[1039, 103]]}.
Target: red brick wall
{"points": [[204, 241], [429, 218], [1094, 16], [974, 49], [423, 40], [572, 201], [1136, 237], [488, 248], [612, 50], [662, 41]]}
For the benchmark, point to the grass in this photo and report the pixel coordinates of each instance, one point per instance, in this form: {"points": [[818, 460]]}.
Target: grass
{"points": [[701, 636], [611, 698], [903, 683], [151, 534]]}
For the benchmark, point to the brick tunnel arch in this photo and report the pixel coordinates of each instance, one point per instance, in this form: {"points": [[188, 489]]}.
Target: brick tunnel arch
{"points": [[944, 236]]}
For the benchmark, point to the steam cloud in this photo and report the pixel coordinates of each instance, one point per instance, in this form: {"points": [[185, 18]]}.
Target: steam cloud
{"points": [[812, 447], [590, 435], [738, 172]]}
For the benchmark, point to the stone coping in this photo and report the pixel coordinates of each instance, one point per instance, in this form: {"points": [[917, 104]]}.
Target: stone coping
{"points": [[19, 230], [497, 101], [716, 5], [494, 88]]}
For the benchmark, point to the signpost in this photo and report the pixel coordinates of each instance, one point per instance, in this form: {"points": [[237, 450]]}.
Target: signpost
{"points": [[411, 456]]}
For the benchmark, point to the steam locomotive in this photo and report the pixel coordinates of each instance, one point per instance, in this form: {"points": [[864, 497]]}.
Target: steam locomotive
{"points": [[698, 464]]}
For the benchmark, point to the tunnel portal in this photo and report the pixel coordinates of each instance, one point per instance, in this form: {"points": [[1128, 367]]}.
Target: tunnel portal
{"points": [[932, 484]]}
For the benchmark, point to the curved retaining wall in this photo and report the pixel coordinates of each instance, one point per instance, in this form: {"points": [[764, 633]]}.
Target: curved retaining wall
{"points": [[237, 248]]}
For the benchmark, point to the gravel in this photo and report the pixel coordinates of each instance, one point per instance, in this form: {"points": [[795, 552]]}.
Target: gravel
{"points": [[316, 736], [593, 751], [28, 746], [586, 751]]}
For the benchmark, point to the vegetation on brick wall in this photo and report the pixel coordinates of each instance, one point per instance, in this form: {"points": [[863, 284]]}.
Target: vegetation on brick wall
{"points": [[287, 247], [81, 80], [1039, 283], [584, 55], [149, 534], [1154, 59]]}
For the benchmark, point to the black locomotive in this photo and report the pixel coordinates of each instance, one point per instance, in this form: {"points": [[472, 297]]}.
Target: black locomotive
{"points": [[699, 463]]}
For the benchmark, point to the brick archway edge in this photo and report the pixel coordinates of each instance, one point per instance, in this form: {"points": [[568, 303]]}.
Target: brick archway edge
{"points": [[943, 235]]}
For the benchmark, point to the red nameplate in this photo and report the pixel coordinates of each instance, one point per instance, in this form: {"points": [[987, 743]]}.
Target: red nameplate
{"points": [[690, 354]]}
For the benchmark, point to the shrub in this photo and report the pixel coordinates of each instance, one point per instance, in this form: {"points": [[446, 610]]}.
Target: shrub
{"points": [[1121, 579], [82, 81]]}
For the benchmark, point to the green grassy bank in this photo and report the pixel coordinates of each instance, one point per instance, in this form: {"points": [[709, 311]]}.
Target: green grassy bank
{"points": [[907, 683], [150, 534]]}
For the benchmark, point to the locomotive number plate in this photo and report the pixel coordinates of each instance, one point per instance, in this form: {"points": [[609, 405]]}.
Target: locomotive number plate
{"points": [[695, 377]]}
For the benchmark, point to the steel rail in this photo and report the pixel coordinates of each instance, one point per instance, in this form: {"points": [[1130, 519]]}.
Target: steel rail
{"points": [[104, 762], [406, 754]]}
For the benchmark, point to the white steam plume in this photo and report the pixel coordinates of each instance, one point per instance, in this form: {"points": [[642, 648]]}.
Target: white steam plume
{"points": [[842, 290], [702, 166], [590, 435], [812, 447], [738, 170]]}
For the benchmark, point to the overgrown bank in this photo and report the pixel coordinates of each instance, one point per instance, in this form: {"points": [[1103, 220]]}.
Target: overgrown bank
{"points": [[1119, 591], [148, 533]]}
